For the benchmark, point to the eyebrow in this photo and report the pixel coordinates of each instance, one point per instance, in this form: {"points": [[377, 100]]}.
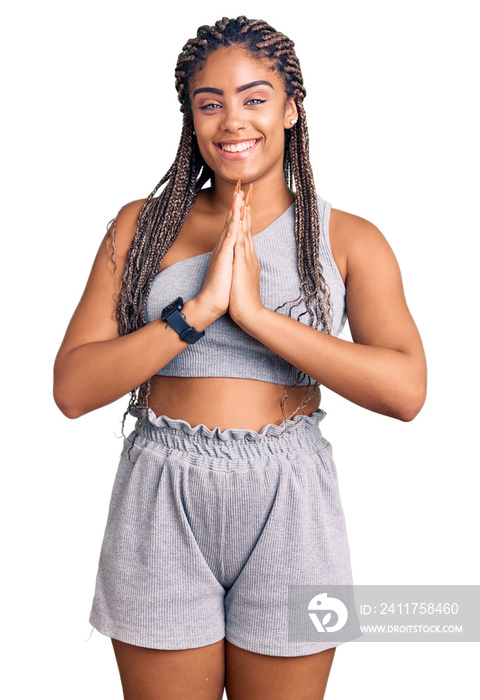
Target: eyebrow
{"points": [[216, 91]]}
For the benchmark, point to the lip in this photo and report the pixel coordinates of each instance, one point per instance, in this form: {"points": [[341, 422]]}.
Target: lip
{"points": [[239, 155]]}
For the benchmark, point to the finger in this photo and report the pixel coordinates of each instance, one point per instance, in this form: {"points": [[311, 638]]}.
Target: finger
{"points": [[234, 206], [239, 210], [231, 222], [247, 202], [238, 198], [235, 192], [247, 228], [248, 220], [238, 187], [248, 231], [248, 198]]}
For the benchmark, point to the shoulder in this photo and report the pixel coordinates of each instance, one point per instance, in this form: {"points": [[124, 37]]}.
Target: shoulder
{"points": [[124, 226], [355, 241]]}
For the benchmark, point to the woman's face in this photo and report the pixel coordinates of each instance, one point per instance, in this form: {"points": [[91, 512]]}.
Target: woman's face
{"points": [[240, 112]]}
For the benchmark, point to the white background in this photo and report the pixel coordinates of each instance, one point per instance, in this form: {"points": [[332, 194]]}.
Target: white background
{"points": [[91, 121]]}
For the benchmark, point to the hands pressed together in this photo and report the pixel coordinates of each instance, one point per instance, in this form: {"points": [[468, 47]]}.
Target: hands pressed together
{"points": [[232, 282]]}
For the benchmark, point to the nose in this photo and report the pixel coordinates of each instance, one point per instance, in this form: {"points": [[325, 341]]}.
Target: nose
{"points": [[232, 121]]}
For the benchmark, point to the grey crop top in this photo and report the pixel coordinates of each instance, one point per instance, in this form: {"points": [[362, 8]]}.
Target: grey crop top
{"points": [[226, 350]]}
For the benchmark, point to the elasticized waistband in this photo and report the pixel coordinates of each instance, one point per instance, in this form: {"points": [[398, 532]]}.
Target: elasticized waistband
{"points": [[300, 433]]}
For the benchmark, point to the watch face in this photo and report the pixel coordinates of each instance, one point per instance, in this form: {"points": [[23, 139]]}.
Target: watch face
{"points": [[177, 304]]}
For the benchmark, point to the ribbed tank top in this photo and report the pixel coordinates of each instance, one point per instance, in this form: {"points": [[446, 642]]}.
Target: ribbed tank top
{"points": [[226, 350]]}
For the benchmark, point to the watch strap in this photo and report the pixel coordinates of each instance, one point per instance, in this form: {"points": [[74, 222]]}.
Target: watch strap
{"points": [[178, 322]]}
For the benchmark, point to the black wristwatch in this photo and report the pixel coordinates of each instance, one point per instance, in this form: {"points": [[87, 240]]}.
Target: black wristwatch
{"points": [[171, 314]]}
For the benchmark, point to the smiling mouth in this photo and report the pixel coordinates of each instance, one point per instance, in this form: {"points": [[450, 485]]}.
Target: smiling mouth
{"points": [[238, 147]]}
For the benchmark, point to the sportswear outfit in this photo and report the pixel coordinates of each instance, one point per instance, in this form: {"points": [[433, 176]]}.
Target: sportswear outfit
{"points": [[206, 529]]}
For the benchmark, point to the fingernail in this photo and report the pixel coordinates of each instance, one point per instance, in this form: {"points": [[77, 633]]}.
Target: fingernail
{"points": [[238, 186], [242, 212], [232, 208], [248, 198]]}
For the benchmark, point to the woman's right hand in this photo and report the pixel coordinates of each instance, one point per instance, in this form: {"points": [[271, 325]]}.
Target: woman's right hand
{"points": [[215, 292]]}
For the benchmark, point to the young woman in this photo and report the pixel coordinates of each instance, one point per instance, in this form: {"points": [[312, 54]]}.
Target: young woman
{"points": [[218, 308]]}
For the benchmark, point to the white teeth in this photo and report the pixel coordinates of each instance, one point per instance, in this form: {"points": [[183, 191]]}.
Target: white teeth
{"points": [[235, 148]]}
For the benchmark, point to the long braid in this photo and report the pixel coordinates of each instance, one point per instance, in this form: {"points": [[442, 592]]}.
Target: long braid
{"points": [[162, 217], [158, 225]]}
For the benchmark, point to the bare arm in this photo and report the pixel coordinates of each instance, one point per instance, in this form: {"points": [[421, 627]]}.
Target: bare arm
{"points": [[384, 369], [94, 365]]}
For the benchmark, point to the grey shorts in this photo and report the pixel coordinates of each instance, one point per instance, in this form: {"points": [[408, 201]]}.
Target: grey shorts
{"points": [[206, 529]]}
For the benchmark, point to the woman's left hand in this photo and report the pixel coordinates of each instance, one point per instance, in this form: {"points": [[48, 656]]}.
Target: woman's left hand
{"points": [[245, 299]]}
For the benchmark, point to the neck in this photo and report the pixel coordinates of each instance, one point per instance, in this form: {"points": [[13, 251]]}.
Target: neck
{"points": [[270, 194]]}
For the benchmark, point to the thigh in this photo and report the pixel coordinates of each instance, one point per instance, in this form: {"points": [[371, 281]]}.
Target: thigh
{"points": [[255, 676], [158, 674]]}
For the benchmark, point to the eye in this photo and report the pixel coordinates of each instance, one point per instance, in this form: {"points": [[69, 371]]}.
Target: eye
{"points": [[255, 101], [211, 105]]}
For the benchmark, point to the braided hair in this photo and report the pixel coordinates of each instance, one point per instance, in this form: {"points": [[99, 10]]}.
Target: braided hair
{"points": [[161, 218]]}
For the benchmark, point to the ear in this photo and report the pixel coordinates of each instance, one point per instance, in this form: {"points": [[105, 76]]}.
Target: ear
{"points": [[291, 114]]}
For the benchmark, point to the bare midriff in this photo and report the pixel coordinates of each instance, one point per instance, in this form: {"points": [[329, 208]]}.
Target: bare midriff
{"points": [[225, 402]]}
